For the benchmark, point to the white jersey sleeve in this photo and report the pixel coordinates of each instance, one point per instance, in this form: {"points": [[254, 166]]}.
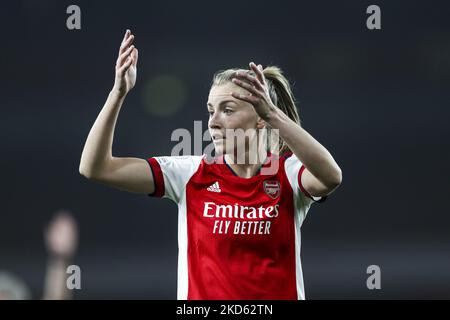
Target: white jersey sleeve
{"points": [[294, 169], [171, 174]]}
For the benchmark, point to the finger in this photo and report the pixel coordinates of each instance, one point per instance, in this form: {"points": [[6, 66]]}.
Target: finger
{"points": [[246, 86], [257, 71], [245, 97], [253, 80], [127, 33], [262, 73], [135, 56], [124, 46], [125, 66], [124, 55]]}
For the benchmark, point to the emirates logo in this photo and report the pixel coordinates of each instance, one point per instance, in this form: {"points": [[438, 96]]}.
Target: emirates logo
{"points": [[272, 188]]}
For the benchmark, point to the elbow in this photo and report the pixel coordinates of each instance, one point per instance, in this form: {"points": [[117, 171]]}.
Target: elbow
{"points": [[85, 171], [335, 179], [83, 167], [92, 170]]}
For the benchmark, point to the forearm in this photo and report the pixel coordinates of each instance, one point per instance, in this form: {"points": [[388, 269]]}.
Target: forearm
{"points": [[308, 150], [98, 147]]}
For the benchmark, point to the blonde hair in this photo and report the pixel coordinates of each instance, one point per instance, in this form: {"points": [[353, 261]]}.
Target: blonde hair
{"points": [[279, 90]]}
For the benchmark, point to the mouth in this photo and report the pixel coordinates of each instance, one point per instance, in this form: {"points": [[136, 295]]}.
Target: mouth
{"points": [[219, 141], [218, 137]]}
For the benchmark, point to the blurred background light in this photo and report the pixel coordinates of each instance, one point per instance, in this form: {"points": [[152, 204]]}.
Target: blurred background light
{"points": [[163, 95]]}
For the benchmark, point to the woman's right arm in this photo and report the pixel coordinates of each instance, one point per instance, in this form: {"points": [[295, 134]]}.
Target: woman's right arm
{"points": [[97, 162]]}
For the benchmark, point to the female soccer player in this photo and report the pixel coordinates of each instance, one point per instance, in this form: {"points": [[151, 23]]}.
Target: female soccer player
{"points": [[238, 223]]}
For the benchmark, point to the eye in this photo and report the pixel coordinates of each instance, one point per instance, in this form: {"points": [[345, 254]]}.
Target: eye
{"points": [[210, 113], [228, 111]]}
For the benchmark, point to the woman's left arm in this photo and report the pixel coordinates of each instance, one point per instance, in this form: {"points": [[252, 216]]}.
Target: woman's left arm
{"points": [[322, 175]]}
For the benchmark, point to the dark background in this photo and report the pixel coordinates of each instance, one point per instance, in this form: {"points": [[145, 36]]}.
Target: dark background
{"points": [[377, 100]]}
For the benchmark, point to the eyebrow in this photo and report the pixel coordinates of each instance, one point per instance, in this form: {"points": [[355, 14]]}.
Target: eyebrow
{"points": [[222, 102]]}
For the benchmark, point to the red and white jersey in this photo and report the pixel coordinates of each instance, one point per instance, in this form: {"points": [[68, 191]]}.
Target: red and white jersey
{"points": [[238, 238]]}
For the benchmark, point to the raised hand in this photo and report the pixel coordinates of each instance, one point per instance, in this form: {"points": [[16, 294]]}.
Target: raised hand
{"points": [[126, 65], [258, 91]]}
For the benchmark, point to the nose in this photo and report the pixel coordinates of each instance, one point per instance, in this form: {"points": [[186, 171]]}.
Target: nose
{"points": [[214, 121]]}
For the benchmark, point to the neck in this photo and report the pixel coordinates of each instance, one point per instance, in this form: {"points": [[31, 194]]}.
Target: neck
{"points": [[246, 166]]}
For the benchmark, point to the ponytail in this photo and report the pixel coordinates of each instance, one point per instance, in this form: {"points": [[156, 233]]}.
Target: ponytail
{"points": [[281, 96]]}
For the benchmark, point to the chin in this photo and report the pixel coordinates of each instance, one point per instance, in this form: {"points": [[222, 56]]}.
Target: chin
{"points": [[221, 149], [218, 150]]}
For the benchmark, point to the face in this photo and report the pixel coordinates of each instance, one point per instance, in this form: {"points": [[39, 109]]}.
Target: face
{"points": [[226, 114]]}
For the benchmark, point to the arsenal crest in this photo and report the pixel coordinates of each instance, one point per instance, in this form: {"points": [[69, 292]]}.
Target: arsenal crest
{"points": [[272, 188]]}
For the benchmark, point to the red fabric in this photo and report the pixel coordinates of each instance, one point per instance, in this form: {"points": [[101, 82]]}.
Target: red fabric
{"points": [[258, 264], [158, 178]]}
